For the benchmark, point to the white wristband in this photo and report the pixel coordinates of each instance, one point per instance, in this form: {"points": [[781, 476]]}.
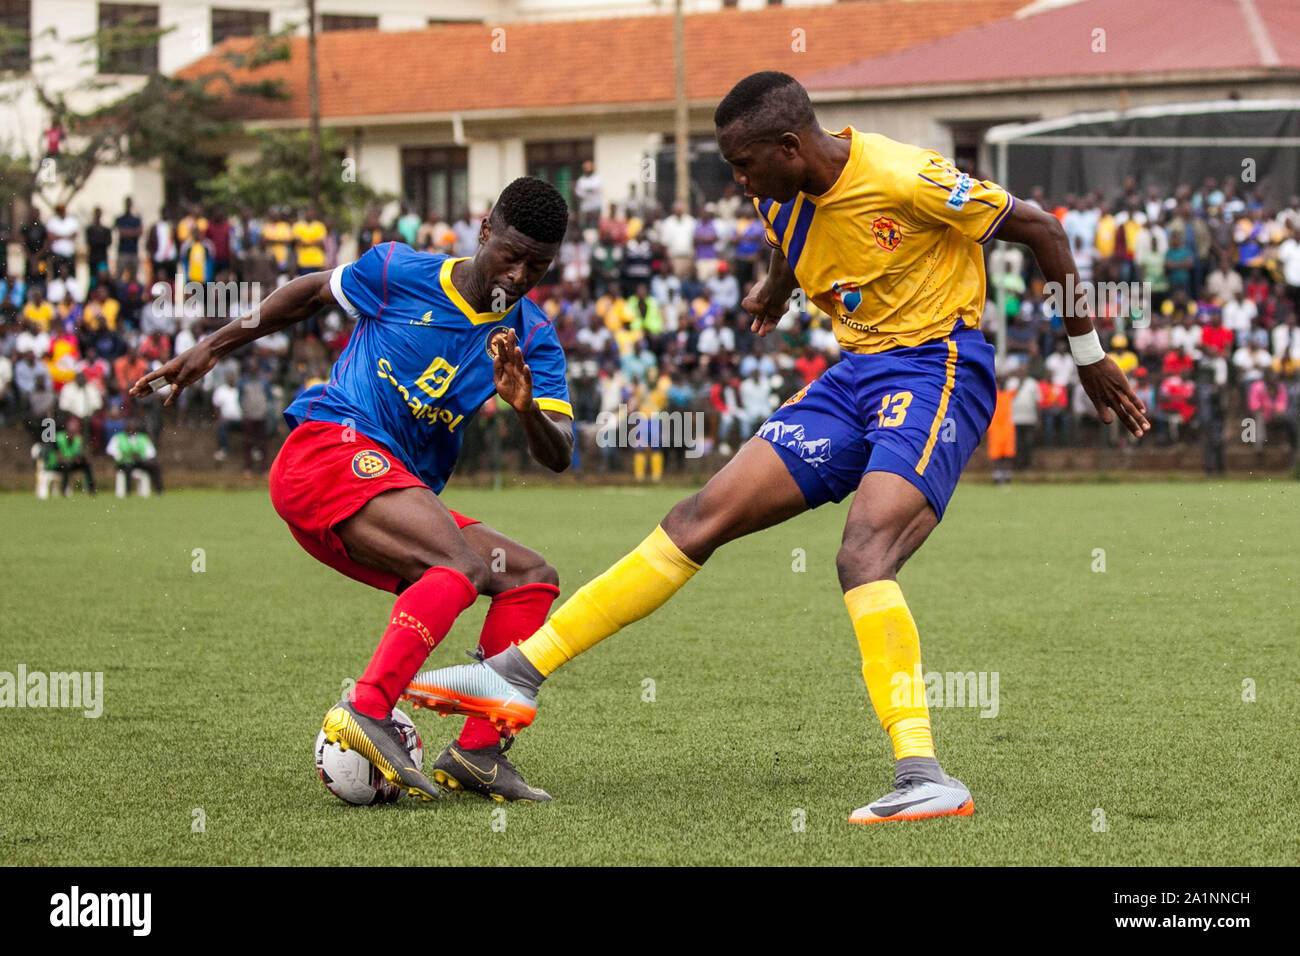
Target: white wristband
{"points": [[1086, 349]]}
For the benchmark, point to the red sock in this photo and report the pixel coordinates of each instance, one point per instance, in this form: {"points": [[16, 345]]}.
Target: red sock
{"points": [[513, 616], [422, 616]]}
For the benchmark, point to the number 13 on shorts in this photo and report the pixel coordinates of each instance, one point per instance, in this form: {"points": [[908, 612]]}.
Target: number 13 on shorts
{"points": [[893, 409]]}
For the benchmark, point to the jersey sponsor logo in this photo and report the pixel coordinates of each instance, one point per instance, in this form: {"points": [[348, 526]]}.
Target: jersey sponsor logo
{"points": [[495, 339], [858, 326], [426, 319], [369, 464], [434, 383], [960, 192], [887, 233], [847, 294]]}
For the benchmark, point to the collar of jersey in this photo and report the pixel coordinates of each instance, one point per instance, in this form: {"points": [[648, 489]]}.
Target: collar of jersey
{"points": [[475, 318], [846, 174]]}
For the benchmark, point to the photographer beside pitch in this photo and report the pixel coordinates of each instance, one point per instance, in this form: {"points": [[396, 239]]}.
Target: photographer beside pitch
{"points": [[886, 238], [358, 478]]}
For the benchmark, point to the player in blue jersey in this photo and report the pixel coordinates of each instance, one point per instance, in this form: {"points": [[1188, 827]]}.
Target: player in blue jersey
{"points": [[358, 479]]}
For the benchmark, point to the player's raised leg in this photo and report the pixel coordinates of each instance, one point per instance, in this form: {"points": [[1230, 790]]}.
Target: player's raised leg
{"points": [[523, 587], [753, 491], [409, 533], [888, 521]]}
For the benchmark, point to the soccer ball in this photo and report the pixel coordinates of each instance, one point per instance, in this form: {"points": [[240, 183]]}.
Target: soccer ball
{"points": [[354, 779]]}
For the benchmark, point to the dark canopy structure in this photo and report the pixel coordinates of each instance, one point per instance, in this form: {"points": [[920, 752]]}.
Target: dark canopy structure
{"points": [[1256, 142]]}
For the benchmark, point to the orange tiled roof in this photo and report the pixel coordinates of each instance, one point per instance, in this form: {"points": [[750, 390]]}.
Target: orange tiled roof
{"points": [[572, 63], [1142, 37]]}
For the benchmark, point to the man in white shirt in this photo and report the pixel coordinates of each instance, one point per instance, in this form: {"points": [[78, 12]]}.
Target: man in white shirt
{"points": [[1060, 365], [677, 234], [1286, 340], [1186, 337], [1251, 361], [230, 414], [63, 230], [1288, 257], [1238, 314], [755, 402], [724, 289], [79, 398], [587, 191]]}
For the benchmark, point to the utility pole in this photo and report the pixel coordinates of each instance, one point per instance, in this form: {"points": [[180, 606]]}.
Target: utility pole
{"points": [[313, 91], [682, 126]]}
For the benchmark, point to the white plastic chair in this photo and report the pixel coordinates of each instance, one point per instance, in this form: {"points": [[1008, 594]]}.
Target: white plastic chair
{"points": [[143, 483], [45, 479]]}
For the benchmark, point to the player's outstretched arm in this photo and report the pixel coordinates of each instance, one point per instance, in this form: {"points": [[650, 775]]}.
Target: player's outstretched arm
{"points": [[291, 303], [768, 301], [1100, 377], [549, 434]]}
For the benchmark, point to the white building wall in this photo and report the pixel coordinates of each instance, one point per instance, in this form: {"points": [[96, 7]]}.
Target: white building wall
{"points": [[619, 161]]}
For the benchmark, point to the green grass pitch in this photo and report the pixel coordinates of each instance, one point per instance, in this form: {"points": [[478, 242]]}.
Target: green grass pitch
{"points": [[1120, 691]]}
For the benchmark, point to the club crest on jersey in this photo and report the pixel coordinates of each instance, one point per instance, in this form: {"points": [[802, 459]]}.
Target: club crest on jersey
{"points": [[847, 294], [495, 338], [369, 464], [887, 233]]}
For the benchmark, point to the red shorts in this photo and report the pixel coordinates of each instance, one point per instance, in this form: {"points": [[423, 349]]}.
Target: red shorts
{"points": [[323, 476]]}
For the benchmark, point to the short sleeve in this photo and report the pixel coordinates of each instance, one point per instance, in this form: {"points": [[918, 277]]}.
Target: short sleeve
{"points": [[361, 287], [974, 207], [545, 360], [768, 233]]}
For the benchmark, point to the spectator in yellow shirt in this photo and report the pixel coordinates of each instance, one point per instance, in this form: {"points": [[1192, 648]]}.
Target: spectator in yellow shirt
{"points": [[38, 310], [101, 311], [309, 241], [1122, 355], [279, 238]]}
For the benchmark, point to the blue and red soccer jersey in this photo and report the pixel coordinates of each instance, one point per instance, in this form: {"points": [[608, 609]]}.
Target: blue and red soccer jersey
{"points": [[419, 363]]}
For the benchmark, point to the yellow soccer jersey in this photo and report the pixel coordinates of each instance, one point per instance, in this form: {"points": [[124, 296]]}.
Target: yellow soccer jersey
{"points": [[891, 250]]}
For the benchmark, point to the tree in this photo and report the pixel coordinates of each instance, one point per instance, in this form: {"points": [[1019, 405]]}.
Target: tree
{"points": [[281, 176], [179, 122]]}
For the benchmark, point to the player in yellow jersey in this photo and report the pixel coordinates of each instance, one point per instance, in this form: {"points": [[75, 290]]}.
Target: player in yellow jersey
{"points": [[886, 239]]}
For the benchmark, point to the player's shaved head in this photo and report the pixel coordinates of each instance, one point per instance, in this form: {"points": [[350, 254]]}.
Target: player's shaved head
{"points": [[535, 208], [767, 104]]}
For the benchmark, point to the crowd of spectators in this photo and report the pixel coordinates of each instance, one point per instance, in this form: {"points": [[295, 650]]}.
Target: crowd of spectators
{"points": [[647, 308]]}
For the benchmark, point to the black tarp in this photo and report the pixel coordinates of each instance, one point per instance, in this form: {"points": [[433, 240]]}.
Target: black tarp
{"points": [[1065, 169]]}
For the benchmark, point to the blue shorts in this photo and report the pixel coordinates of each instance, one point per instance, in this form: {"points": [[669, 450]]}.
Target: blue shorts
{"points": [[918, 412]]}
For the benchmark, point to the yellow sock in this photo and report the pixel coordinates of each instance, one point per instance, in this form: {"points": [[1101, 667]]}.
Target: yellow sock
{"points": [[656, 465], [638, 584], [891, 665], [638, 465]]}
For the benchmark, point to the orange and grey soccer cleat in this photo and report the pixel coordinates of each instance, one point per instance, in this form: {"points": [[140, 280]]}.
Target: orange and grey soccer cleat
{"points": [[485, 771], [918, 800], [475, 690], [380, 742]]}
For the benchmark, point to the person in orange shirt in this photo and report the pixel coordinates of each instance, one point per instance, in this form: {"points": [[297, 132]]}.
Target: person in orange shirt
{"points": [[1002, 433]]}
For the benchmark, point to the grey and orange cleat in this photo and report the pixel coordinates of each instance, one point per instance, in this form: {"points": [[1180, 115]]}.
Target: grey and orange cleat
{"points": [[485, 771], [913, 799], [475, 690], [380, 742]]}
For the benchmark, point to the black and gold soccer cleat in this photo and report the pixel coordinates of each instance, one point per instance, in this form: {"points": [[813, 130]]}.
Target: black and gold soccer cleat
{"points": [[485, 771], [380, 742]]}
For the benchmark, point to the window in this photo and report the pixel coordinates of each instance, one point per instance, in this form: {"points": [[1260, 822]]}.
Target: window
{"points": [[128, 48], [559, 163], [436, 179], [339, 21], [238, 23], [15, 35]]}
